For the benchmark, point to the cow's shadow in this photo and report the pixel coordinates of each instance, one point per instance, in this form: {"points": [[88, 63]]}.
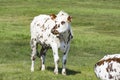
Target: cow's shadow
{"points": [[69, 72]]}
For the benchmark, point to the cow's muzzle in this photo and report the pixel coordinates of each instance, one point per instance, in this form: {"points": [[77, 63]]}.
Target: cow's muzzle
{"points": [[54, 31]]}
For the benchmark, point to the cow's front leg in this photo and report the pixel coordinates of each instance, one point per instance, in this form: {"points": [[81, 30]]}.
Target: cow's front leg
{"points": [[56, 57], [64, 60], [33, 55], [42, 55]]}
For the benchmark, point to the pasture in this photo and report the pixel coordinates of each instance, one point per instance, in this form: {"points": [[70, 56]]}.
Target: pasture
{"points": [[96, 28]]}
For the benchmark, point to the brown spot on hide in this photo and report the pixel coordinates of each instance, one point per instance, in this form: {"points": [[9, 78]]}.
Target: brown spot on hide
{"points": [[45, 40], [100, 71], [38, 24], [69, 18], [53, 16], [108, 60], [58, 25], [45, 29], [115, 70], [109, 68], [105, 76], [55, 27], [41, 36], [63, 22], [49, 35], [58, 37], [54, 31], [110, 76]]}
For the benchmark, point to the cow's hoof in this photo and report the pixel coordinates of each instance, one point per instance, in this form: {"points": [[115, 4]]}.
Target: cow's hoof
{"points": [[63, 72], [43, 68], [56, 72], [32, 69]]}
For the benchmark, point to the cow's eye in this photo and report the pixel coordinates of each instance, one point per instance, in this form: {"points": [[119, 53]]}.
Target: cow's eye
{"points": [[63, 22]]}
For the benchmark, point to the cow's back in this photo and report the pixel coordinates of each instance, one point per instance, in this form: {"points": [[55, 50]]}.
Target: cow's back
{"points": [[108, 68], [41, 30]]}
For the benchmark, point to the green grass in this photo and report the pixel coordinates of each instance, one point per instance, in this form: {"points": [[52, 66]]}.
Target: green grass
{"points": [[96, 28]]}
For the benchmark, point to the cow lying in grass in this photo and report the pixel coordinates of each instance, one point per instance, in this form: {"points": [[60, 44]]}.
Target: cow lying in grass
{"points": [[108, 68], [51, 31]]}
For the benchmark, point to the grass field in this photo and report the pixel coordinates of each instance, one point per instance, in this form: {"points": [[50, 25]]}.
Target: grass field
{"points": [[96, 28]]}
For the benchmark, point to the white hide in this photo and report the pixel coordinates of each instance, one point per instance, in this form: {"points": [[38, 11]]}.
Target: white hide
{"points": [[41, 28], [108, 68]]}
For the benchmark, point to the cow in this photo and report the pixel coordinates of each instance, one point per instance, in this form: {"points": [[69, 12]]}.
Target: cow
{"points": [[51, 32], [108, 68]]}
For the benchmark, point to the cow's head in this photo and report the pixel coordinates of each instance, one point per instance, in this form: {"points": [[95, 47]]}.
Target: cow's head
{"points": [[64, 15], [62, 24]]}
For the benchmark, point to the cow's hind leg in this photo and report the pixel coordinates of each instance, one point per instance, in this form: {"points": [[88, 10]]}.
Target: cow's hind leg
{"points": [[33, 55], [64, 60], [42, 55]]}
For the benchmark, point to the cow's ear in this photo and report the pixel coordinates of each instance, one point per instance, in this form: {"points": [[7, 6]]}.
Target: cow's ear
{"points": [[69, 18], [53, 16]]}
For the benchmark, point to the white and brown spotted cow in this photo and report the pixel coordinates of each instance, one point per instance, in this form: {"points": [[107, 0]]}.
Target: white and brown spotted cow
{"points": [[108, 68], [54, 32]]}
